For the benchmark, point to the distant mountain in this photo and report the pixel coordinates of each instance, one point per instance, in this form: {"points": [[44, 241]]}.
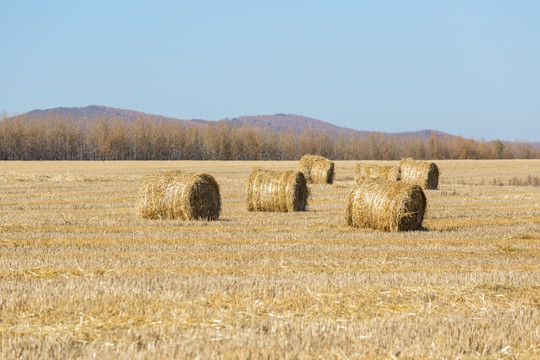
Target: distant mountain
{"points": [[293, 122], [93, 112], [424, 134], [298, 123], [277, 122]]}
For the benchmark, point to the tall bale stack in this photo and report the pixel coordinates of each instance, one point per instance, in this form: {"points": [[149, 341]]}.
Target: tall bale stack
{"points": [[316, 169], [421, 173], [180, 195], [377, 171], [283, 191], [386, 205]]}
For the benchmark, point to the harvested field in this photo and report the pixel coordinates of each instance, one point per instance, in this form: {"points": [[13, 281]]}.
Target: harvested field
{"points": [[82, 275], [377, 171]]}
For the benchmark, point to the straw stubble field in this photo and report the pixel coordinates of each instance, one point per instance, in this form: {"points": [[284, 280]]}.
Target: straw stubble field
{"points": [[81, 275]]}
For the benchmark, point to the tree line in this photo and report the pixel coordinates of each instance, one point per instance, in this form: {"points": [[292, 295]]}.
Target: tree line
{"points": [[65, 138]]}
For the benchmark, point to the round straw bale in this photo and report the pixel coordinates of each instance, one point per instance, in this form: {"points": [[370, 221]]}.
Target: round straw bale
{"points": [[377, 171], [180, 195], [282, 191], [421, 173], [386, 205], [316, 169]]}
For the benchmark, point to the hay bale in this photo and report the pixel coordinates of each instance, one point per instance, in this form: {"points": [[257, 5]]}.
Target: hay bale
{"points": [[282, 191], [377, 171], [421, 173], [386, 205], [180, 195], [316, 169]]}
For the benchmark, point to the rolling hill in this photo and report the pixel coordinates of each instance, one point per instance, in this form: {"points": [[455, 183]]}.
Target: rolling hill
{"points": [[296, 123], [92, 112]]}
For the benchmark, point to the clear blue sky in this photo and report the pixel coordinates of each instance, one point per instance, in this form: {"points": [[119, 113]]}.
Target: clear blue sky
{"points": [[470, 68]]}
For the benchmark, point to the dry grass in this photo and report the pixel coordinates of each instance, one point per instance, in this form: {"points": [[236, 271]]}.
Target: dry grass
{"points": [[377, 171], [82, 276], [528, 180]]}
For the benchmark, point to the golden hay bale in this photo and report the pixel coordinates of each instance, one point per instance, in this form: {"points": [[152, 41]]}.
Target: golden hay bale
{"points": [[178, 194], [421, 173], [386, 205], [316, 169], [377, 171], [283, 191]]}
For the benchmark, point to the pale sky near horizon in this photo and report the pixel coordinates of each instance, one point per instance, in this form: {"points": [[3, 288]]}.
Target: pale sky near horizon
{"points": [[469, 68]]}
